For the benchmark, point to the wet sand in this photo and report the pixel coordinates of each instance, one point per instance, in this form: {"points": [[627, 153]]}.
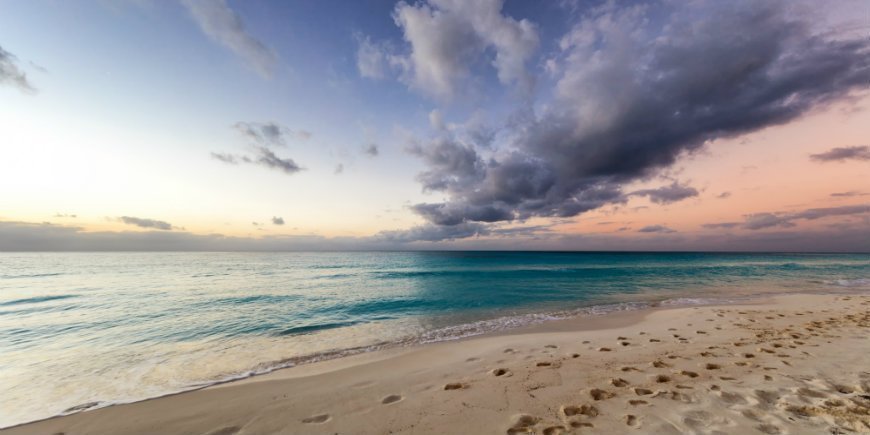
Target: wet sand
{"points": [[787, 364]]}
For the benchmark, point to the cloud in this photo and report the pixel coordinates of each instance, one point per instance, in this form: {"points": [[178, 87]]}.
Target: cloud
{"points": [[637, 88], [849, 194], [269, 134], [24, 236], [146, 223], [841, 154], [265, 157], [724, 195], [223, 25], [433, 233], [725, 225], [765, 220], [265, 136], [668, 194], [446, 38], [277, 220], [65, 215], [228, 158], [371, 150], [656, 229], [339, 168], [10, 73]]}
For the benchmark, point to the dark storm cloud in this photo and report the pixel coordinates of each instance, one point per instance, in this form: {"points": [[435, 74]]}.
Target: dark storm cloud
{"points": [[636, 88], [10, 73], [277, 220], [668, 194], [269, 134], [146, 223], [656, 229], [841, 154]]}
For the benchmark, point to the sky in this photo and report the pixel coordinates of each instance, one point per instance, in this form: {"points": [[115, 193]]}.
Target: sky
{"points": [[435, 124]]}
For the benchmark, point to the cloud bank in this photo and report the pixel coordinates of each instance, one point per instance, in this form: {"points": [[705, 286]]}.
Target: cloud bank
{"points": [[146, 223]]}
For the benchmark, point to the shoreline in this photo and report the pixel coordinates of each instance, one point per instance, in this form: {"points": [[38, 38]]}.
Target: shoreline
{"points": [[546, 321], [422, 362]]}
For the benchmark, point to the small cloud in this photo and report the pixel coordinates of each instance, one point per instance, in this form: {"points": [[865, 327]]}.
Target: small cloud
{"points": [[668, 194], [268, 159], [223, 25], [724, 195], [63, 215], [656, 229], [849, 194], [146, 223], [227, 158], [270, 134], [277, 220], [842, 154], [722, 225], [339, 168], [371, 150], [11, 74], [265, 157]]}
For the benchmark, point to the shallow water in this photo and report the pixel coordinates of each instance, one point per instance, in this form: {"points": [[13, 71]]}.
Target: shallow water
{"points": [[85, 328]]}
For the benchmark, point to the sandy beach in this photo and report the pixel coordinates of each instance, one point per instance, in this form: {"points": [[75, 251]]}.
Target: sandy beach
{"points": [[786, 364]]}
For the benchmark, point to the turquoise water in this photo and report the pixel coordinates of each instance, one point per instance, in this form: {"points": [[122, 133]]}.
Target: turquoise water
{"points": [[100, 328]]}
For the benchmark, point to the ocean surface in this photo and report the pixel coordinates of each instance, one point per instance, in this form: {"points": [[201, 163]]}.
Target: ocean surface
{"points": [[85, 330]]}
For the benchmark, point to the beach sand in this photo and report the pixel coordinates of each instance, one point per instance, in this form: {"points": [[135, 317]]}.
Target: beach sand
{"points": [[786, 364]]}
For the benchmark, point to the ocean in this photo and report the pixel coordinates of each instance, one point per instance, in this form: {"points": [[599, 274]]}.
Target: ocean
{"points": [[85, 330]]}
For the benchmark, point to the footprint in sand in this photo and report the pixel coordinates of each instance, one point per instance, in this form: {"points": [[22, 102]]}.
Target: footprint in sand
{"points": [[501, 372], [659, 364], [575, 355], [317, 419], [551, 346], [523, 423], [455, 386], [599, 394], [712, 366], [637, 402], [554, 430], [688, 373], [392, 398], [544, 364], [587, 410], [618, 382], [632, 421], [661, 379], [604, 349], [642, 391]]}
